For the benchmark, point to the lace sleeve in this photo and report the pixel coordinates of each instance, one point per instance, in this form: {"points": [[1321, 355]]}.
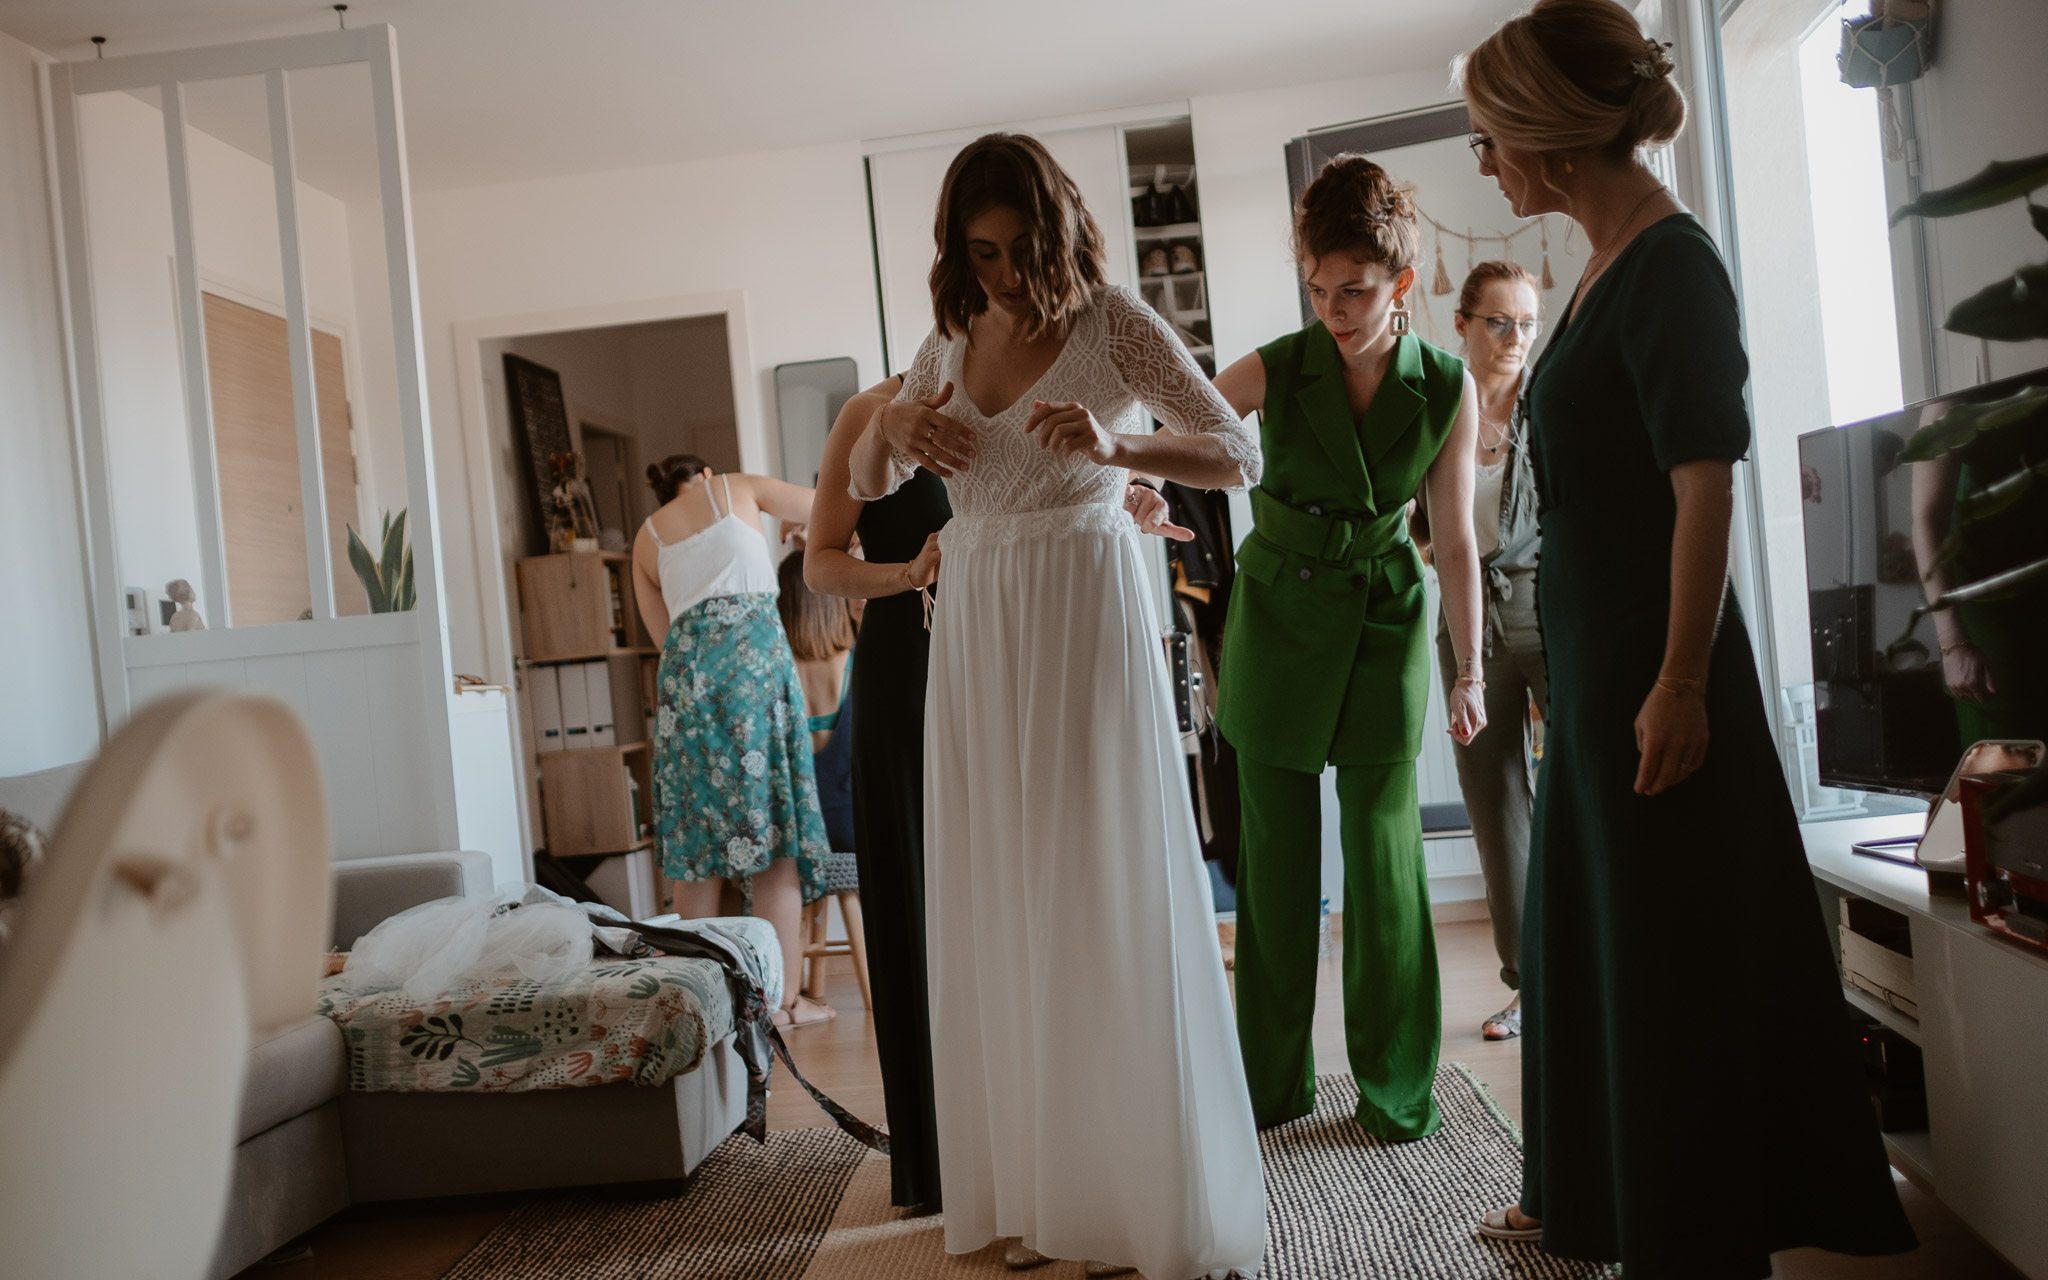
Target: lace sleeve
{"points": [[1157, 368], [924, 378]]}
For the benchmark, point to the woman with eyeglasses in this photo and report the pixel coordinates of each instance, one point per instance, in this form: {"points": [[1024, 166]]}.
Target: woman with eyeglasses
{"points": [[1326, 654], [1499, 317], [1684, 1119]]}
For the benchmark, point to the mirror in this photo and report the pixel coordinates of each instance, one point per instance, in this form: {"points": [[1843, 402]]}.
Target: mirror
{"points": [[808, 396]]}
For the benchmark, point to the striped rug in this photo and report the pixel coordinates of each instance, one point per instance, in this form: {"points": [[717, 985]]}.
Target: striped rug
{"points": [[814, 1205]]}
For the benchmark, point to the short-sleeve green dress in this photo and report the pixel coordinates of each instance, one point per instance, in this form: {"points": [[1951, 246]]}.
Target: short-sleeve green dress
{"points": [[1691, 1097]]}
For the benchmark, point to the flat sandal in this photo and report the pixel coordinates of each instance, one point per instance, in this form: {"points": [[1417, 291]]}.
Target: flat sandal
{"points": [[1496, 1225]]}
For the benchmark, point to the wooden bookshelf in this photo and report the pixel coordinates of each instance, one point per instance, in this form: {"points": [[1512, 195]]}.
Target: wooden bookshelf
{"points": [[588, 805], [579, 605]]}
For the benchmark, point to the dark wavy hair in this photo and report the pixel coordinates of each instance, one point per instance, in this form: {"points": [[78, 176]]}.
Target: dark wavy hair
{"points": [[672, 473], [1065, 265], [1354, 207]]}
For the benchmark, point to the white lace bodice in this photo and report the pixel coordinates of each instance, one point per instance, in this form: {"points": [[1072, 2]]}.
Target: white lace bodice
{"points": [[1120, 360]]}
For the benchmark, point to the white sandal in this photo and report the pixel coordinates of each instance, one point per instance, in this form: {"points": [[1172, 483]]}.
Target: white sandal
{"points": [[1498, 1226]]}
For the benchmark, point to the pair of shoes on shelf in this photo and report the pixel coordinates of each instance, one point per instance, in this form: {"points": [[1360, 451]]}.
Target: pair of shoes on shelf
{"points": [[1156, 262], [1148, 209], [1018, 1257], [1185, 260]]}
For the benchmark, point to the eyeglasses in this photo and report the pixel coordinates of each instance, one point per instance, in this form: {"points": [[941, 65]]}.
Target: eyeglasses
{"points": [[1481, 144], [1501, 326]]}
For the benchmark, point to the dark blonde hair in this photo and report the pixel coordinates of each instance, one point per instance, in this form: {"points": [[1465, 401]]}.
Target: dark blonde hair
{"points": [[1065, 265], [672, 473], [1486, 273], [819, 626], [1572, 75], [1354, 207]]}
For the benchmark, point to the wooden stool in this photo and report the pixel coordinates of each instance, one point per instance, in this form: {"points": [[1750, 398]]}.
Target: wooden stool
{"points": [[842, 881]]}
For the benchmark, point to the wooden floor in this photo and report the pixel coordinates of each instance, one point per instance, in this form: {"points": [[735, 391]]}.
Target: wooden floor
{"points": [[422, 1240]]}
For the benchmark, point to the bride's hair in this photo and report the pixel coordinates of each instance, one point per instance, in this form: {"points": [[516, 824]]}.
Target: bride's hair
{"points": [[1065, 266]]}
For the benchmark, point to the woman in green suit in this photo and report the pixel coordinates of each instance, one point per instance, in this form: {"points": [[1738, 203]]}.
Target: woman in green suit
{"points": [[1326, 655]]}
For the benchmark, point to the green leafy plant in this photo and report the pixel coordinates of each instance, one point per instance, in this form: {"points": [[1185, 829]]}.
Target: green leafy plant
{"points": [[2016, 308], [386, 577]]}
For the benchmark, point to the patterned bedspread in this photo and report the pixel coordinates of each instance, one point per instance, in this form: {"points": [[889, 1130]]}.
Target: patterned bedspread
{"points": [[638, 1020]]}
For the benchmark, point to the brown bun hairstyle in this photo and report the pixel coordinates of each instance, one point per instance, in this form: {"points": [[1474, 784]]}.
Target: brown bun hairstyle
{"points": [[1486, 273], [1065, 264], [672, 473], [1572, 75], [1353, 207]]}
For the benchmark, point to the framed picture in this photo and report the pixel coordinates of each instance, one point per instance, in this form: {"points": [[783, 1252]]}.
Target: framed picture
{"points": [[540, 424]]}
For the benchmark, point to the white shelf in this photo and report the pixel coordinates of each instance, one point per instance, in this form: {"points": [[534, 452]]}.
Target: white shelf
{"points": [[1905, 1024], [1173, 231], [1176, 275]]}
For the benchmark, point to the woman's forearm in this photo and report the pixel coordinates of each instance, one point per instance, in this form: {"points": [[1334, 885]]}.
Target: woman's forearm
{"points": [[1199, 462], [1457, 568], [1699, 565], [835, 573], [868, 464]]}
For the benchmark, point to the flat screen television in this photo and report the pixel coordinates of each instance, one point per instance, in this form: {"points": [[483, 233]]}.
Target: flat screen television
{"points": [[1946, 498]]}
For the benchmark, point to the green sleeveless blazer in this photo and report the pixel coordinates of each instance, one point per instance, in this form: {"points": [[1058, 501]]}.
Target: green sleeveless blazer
{"points": [[1325, 652]]}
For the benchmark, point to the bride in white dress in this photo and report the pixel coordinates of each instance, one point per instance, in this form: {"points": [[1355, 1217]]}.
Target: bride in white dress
{"points": [[1090, 1096]]}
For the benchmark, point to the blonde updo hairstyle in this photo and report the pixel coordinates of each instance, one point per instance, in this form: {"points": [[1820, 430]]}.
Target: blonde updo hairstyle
{"points": [[1573, 75], [1353, 207]]}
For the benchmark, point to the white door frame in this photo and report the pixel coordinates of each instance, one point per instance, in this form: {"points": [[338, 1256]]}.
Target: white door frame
{"points": [[425, 628], [756, 451]]}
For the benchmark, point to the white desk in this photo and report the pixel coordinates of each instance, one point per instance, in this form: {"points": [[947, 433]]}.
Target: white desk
{"points": [[1983, 1029]]}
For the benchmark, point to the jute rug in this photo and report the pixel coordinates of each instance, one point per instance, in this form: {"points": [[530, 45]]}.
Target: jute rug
{"points": [[814, 1205]]}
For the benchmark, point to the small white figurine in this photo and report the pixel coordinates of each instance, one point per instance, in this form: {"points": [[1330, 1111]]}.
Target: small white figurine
{"points": [[186, 618]]}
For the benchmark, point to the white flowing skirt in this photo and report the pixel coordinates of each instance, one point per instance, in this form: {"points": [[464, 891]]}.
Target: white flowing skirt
{"points": [[1090, 1096]]}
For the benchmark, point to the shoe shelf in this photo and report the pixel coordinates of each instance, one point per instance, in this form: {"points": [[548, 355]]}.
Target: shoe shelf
{"points": [[1176, 231]]}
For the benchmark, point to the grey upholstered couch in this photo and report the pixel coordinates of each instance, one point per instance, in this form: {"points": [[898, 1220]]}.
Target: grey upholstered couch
{"points": [[307, 1147]]}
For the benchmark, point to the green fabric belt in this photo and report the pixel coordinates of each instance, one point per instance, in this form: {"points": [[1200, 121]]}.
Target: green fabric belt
{"points": [[1337, 539]]}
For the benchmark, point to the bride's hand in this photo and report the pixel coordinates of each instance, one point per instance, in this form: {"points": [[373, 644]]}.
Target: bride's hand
{"points": [[1067, 429], [1149, 508], [939, 442], [924, 570]]}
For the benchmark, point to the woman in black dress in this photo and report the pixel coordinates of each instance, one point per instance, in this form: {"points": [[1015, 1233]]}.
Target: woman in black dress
{"points": [[1699, 1145], [899, 537]]}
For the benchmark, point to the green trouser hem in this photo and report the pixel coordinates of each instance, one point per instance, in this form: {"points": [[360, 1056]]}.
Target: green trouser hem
{"points": [[1393, 1015]]}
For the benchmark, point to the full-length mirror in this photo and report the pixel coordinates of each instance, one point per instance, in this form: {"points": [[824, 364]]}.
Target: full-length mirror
{"points": [[808, 395]]}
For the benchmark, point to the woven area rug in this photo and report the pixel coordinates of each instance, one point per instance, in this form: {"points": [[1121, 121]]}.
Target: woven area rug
{"points": [[814, 1205]]}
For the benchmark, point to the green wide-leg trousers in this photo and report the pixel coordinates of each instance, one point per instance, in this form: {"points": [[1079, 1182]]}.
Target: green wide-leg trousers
{"points": [[1392, 1004]]}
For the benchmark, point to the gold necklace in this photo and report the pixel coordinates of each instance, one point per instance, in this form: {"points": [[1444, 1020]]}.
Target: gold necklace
{"points": [[1598, 262]]}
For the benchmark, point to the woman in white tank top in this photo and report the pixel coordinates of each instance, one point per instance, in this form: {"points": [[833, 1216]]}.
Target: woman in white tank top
{"points": [[735, 793]]}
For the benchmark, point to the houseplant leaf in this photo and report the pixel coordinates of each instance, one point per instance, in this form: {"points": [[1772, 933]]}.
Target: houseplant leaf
{"points": [[1965, 422], [1981, 504], [1996, 183], [403, 599], [366, 571], [2013, 310], [394, 556]]}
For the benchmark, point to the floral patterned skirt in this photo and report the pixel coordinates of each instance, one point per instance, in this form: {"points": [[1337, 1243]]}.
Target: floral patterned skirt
{"points": [[734, 787]]}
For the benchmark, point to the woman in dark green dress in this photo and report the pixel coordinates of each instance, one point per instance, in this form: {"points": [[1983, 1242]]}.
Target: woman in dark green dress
{"points": [[1696, 1146]]}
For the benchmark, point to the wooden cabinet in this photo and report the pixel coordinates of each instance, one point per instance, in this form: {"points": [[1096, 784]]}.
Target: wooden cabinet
{"points": [[589, 803], [577, 608], [579, 605]]}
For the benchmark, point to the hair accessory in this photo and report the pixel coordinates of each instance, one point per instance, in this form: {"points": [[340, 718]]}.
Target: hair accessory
{"points": [[1653, 65]]}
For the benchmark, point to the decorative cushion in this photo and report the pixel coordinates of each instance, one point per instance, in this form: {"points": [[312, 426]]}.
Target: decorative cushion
{"points": [[842, 874]]}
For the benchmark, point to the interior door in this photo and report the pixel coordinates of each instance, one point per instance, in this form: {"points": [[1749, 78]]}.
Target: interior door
{"points": [[216, 437]]}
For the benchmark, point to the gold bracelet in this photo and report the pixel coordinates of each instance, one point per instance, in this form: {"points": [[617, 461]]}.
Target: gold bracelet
{"points": [[1671, 684], [1474, 681], [1948, 649]]}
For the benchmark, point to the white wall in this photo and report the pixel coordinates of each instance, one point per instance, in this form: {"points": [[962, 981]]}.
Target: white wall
{"points": [[234, 217], [789, 229], [682, 392], [49, 706], [1986, 99]]}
